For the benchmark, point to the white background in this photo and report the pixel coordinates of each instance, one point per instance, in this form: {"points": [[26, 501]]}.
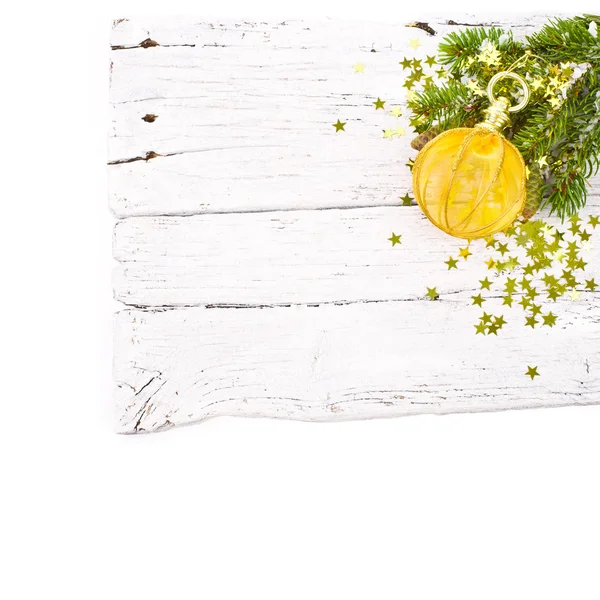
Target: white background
{"points": [[468, 506]]}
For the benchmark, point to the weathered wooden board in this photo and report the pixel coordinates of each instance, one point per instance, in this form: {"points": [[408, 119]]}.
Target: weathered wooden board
{"points": [[295, 257], [341, 362], [292, 304]]}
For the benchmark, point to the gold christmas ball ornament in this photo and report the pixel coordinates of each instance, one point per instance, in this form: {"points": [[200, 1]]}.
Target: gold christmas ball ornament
{"points": [[471, 181]]}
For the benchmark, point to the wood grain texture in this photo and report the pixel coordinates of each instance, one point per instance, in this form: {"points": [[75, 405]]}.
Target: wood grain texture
{"points": [[295, 257], [344, 362], [251, 240], [244, 113]]}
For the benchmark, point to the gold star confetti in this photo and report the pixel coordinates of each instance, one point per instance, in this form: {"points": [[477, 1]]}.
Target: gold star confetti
{"points": [[531, 322], [532, 372], [396, 111], [464, 252], [399, 131], [379, 103], [490, 54], [478, 300], [542, 162], [480, 328], [432, 293], [485, 284], [594, 220], [537, 83], [395, 239], [549, 319], [591, 285], [490, 263], [406, 200], [575, 295], [388, 133], [452, 263], [414, 43], [339, 126], [359, 67], [499, 321], [431, 61]]}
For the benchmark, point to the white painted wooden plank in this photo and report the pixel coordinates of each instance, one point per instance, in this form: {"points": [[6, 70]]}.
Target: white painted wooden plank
{"points": [[244, 114], [292, 257], [345, 362]]}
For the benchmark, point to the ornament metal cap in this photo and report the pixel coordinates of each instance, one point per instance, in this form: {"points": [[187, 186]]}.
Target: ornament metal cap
{"points": [[497, 115]]}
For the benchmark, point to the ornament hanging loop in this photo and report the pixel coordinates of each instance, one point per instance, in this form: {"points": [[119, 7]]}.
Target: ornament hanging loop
{"points": [[509, 75]]}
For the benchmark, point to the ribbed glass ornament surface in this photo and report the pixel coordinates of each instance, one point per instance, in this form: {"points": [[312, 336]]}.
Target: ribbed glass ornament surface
{"points": [[470, 182]]}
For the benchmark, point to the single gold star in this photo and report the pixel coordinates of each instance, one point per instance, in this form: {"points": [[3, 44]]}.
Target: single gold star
{"points": [[532, 372], [594, 220], [490, 263], [406, 63], [414, 43], [531, 322], [452, 263], [406, 199], [359, 67], [480, 328], [485, 284], [591, 285], [542, 162], [399, 131], [430, 61], [379, 103], [478, 300], [485, 318], [464, 252], [554, 102], [549, 319], [507, 300], [575, 295], [499, 321], [537, 83], [395, 239], [432, 293], [339, 126], [388, 133], [396, 112]]}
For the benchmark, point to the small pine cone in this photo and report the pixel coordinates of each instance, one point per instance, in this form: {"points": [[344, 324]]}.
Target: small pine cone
{"points": [[534, 191], [423, 138]]}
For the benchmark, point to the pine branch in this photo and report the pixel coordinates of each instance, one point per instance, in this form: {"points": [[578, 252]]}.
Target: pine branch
{"points": [[561, 123]]}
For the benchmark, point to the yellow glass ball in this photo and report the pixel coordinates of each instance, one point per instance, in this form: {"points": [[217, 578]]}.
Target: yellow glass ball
{"points": [[470, 182]]}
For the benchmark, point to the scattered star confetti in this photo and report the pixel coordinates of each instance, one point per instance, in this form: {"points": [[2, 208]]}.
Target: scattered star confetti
{"points": [[395, 239], [414, 43], [464, 252], [452, 263], [532, 372], [379, 103], [406, 200], [485, 284], [432, 293], [359, 67], [396, 111], [339, 126]]}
